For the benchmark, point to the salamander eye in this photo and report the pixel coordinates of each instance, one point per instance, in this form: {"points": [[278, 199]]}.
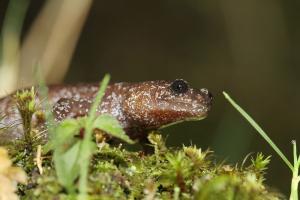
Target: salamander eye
{"points": [[179, 86]]}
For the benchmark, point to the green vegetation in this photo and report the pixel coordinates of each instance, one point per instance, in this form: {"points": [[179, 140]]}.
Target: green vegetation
{"points": [[25, 101], [293, 167], [183, 173]]}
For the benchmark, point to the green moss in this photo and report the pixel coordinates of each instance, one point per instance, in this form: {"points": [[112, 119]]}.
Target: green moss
{"points": [[183, 173], [26, 105]]}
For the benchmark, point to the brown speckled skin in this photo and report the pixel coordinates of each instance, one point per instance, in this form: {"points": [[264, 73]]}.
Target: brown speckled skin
{"points": [[139, 107]]}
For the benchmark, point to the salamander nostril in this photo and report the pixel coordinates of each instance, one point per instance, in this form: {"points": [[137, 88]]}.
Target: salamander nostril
{"points": [[207, 95], [204, 91]]}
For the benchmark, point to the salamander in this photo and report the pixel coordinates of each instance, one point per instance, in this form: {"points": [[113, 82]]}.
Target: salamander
{"points": [[139, 107]]}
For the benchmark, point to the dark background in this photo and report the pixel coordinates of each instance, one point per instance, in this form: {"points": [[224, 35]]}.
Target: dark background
{"points": [[248, 48]]}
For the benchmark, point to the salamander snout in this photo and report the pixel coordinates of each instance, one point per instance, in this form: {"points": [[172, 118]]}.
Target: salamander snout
{"points": [[208, 97]]}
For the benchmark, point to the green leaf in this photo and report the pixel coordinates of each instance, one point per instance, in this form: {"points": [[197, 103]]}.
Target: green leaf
{"points": [[85, 152], [67, 166], [63, 134], [112, 126], [98, 98]]}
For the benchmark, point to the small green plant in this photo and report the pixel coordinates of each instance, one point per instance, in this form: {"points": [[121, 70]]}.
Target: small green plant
{"points": [[293, 167], [25, 101], [259, 165], [72, 155]]}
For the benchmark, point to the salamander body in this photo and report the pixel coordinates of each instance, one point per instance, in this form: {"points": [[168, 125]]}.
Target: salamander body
{"points": [[139, 107]]}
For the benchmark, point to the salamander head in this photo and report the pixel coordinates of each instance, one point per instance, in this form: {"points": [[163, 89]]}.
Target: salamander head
{"points": [[156, 104]]}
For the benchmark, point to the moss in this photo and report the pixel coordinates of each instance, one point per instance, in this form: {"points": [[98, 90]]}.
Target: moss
{"points": [[184, 173], [25, 101]]}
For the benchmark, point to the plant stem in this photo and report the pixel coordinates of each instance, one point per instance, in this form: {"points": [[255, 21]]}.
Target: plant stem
{"points": [[85, 146], [295, 179], [294, 185]]}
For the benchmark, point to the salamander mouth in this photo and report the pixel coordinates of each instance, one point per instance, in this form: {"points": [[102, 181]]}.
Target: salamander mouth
{"points": [[184, 120]]}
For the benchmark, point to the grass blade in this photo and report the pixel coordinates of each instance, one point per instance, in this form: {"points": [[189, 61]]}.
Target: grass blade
{"points": [[86, 150], [258, 129]]}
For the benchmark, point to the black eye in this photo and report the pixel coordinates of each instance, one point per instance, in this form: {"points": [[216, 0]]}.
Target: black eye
{"points": [[179, 86]]}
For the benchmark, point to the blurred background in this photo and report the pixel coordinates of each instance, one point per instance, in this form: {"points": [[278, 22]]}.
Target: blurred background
{"points": [[248, 48]]}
